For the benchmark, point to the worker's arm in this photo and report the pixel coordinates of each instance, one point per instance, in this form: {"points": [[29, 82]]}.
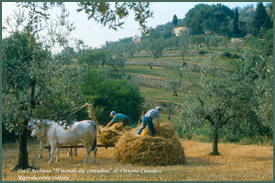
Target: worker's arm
{"points": [[110, 123], [157, 129]]}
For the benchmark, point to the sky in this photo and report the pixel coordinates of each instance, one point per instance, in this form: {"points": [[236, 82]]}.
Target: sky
{"points": [[95, 35]]}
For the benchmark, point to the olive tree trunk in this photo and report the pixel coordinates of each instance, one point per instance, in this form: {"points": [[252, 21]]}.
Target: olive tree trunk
{"points": [[23, 162], [215, 142]]}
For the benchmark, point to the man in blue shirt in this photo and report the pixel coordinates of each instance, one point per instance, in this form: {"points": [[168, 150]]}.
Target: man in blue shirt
{"points": [[117, 117], [147, 120]]}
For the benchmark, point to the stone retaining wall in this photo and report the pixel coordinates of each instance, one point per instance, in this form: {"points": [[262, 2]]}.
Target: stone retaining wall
{"points": [[160, 63], [157, 83]]}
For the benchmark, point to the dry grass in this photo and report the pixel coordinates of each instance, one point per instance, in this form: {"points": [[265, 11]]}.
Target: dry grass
{"points": [[236, 163]]}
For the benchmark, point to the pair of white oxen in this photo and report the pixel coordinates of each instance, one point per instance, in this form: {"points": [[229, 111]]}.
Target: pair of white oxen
{"points": [[55, 135]]}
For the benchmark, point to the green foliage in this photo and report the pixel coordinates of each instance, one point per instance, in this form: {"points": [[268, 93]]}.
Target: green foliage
{"points": [[162, 31], [229, 55], [264, 90], [64, 95], [236, 22], [244, 97], [155, 47], [202, 52], [203, 17], [87, 61], [173, 84], [103, 13], [183, 52], [115, 62], [247, 13], [175, 20], [268, 43], [184, 39], [265, 45], [90, 60], [130, 49], [261, 20], [197, 40], [23, 71], [112, 95], [172, 42], [220, 97], [100, 11], [66, 56]]}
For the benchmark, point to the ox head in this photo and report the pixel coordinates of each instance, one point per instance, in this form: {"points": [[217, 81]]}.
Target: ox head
{"points": [[36, 128], [32, 123]]}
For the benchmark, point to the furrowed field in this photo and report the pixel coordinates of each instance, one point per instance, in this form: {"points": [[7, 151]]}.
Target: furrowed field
{"points": [[236, 163]]}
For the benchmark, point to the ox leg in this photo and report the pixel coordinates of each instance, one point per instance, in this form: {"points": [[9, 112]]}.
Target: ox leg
{"points": [[88, 150], [57, 153], [49, 154], [94, 150], [41, 149], [53, 147]]}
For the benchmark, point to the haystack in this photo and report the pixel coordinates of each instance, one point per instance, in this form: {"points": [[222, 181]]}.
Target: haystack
{"points": [[165, 130], [119, 128], [149, 151], [108, 137]]}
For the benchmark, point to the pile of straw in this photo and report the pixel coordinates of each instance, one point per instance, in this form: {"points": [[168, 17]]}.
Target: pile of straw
{"points": [[165, 130], [164, 149], [149, 151], [119, 128], [108, 137]]}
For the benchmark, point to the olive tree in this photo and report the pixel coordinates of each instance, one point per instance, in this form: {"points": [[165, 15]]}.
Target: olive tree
{"points": [[115, 61], [28, 71], [173, 84], [24, 73], [130, 49], [87, 61], [155, 47], [217, 97]]}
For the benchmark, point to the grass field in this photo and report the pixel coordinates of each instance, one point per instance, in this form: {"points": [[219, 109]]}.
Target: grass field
{"points": [[163, 95], [236, 163]]}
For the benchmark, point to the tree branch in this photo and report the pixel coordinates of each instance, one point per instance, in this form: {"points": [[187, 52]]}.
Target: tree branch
{"points": [[224, 123], [200, 100], [207, 117]]}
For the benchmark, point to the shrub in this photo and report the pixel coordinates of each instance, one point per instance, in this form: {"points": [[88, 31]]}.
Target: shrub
{"points": [[113, 95], [235, 56], [226, 54], [202, 52]]}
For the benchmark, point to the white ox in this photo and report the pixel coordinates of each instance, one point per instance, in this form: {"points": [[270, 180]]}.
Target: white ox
{"points": [[42, 138], [83, 131]]}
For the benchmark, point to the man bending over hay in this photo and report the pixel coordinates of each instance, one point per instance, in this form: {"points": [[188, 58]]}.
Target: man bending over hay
{"points": [[148, 120], [117, 117]]}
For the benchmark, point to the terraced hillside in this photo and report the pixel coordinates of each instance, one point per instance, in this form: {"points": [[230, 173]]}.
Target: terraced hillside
{"points": [[153, 82]]}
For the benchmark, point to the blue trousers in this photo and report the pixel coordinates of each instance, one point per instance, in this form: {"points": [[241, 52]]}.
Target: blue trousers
{"points": [[148, 121]]}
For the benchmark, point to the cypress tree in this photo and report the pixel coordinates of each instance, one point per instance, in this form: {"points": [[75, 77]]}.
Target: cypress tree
{"points": [[235, 22], [259, 19], [175, 20]]}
